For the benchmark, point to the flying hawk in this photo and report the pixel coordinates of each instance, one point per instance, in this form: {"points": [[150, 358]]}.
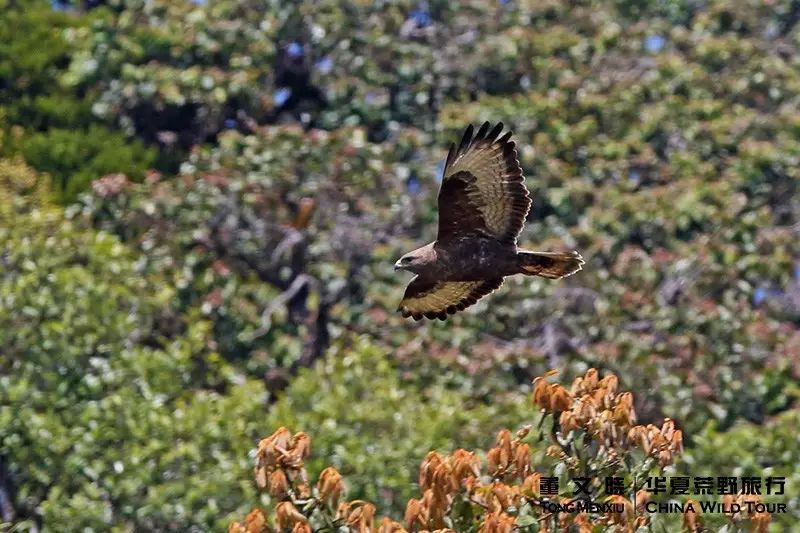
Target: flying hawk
{"points": [[483, 203]]}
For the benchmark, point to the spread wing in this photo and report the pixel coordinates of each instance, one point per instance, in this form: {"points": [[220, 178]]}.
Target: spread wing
{"points": [[437, 299], [483, 190]]}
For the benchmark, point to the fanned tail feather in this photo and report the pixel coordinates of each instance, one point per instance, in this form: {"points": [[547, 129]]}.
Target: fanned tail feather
{"points": [[553, 265]]}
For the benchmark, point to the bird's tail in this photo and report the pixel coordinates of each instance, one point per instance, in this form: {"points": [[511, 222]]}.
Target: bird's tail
{"points": [[553, 265]]}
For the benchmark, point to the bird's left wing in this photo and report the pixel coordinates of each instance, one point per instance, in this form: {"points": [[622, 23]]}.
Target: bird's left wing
{"points": [[437, 299], [483, 191]]}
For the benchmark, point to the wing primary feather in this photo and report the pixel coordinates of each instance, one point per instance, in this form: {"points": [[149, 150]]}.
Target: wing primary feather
{"points": [[505, 138], [496, 131], [450, 155], [465, 140], [482, 132]]}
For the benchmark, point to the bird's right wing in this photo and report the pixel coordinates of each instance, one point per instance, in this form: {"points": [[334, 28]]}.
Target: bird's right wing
{"points": [[483, 191], [437, 299]]}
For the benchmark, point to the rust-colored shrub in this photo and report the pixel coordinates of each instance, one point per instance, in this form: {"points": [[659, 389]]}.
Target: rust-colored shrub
{"points": [[593, 431]]}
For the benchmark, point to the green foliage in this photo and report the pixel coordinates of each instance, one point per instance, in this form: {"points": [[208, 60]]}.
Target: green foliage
{"points": [[44, 119], [75, 158], [33, 49], [177, 67], [371, 426], [107, 417]]}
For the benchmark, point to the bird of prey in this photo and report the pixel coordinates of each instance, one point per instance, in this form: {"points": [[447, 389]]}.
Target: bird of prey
{"points": [[483, 203]]}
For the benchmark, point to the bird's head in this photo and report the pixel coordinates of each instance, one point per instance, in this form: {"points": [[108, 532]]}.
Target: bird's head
{"points": [[407, 262], [414, 261], [418, 260]]}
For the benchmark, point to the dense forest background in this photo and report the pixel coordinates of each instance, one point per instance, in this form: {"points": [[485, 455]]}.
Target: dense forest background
{"points": [[201, 202]]}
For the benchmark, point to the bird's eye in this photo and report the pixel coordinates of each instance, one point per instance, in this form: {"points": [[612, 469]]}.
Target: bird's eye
{"points": [[407, 259]]}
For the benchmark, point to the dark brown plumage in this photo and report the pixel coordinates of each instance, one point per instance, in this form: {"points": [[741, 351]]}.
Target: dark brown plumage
{"points": [[483, 203]]}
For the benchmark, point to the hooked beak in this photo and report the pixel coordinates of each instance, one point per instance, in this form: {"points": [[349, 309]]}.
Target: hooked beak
{"points": [[398, 266]]}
